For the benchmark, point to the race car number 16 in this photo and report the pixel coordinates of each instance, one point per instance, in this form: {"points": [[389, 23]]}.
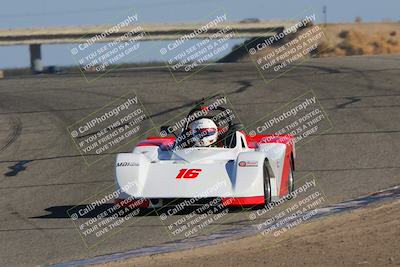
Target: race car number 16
{"points": [[188, 173]]}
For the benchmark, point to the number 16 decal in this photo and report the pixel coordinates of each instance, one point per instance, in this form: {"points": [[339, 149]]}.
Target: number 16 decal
{"points": [[188, 173]]}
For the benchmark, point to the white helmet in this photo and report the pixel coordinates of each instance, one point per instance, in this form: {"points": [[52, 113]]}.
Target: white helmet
{"points": [[204, 131]]}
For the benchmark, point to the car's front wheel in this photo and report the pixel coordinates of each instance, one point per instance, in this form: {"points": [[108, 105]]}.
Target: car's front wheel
{"points": [[267, 183], [291, 178]]}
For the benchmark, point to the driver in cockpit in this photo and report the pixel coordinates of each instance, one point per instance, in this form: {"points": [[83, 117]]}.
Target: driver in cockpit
{"points": [[204, 132]]}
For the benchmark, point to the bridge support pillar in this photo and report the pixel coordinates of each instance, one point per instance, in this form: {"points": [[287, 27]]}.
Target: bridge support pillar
{"points": [[36, 58]]}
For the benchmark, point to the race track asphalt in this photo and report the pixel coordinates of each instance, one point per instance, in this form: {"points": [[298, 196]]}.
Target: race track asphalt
{"points": [[43, 175]]}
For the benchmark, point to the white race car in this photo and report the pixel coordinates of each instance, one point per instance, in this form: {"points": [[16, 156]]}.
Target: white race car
{"points": [[206, 162]]}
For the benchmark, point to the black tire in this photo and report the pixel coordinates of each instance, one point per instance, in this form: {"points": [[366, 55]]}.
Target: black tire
{"points": [[267, 184], [291, 178]]}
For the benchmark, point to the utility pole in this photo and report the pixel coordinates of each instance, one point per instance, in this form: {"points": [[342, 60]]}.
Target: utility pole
{"points": [[324, 10]]}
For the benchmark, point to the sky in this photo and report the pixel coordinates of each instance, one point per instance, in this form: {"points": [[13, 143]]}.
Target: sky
{"points": [[48, 13]]}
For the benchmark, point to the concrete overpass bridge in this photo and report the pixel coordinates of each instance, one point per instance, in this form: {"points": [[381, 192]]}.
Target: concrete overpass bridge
{"points": [[35, 37]]}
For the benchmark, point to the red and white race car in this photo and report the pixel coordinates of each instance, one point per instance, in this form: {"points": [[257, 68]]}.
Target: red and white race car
{"points": [[204, 161]]}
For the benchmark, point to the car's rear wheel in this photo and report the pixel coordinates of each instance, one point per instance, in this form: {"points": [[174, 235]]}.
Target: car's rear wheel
{"points": [[267, 184]]}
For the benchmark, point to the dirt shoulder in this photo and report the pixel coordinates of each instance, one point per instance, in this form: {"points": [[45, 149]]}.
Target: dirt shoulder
{"points": [[364, 237]]}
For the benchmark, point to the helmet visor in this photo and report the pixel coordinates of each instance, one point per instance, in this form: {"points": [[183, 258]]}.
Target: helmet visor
{"points": [[204, 132]]}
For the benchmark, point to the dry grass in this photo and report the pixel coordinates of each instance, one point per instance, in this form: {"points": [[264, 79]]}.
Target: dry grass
{"points": [[345, 39], [362, 39]]}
